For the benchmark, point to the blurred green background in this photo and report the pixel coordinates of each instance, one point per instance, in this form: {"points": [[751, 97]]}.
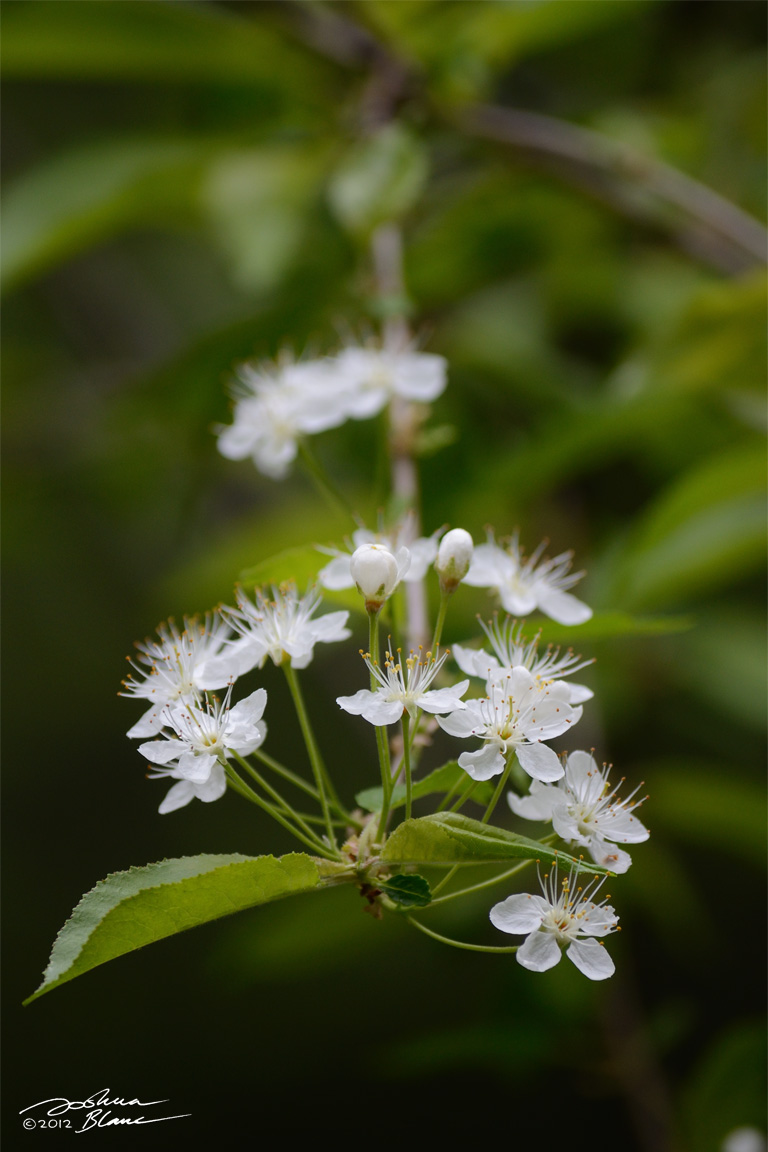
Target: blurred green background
{"points": [[191, 184]]}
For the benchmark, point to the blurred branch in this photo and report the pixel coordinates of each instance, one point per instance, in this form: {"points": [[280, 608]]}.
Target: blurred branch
{"points": [[715, 230], [721, 232]]}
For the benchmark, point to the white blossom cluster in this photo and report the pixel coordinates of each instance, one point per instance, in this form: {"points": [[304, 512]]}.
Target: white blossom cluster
{"points": [[276, 405], [196, 733], [526, 700]]}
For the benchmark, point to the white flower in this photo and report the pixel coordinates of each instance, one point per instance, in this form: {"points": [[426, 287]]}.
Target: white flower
{"points": [[281, 628], [454, 557], [511, 649], [199, 740], [398, 540], [175, 668], [557, 920], [400, 691], [372, 376], [585, 811], [517, 715], [524, 585], [274, 406]]}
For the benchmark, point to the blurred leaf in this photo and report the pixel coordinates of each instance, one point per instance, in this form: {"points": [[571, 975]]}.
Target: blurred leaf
{"points": [[84, 196], [727, 1089], [131, 909], [733, 641], [441, 780], [448, 838], [462, 43], [258, 201], [302, 565], [610, 626], [152, 41], [379, 179], [707, 530], [720, 341], [710, 806], [411, 891]]}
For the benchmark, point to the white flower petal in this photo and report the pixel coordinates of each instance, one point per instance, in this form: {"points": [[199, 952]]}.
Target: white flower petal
{"points": [[539, 953], [519, 914], [538, 804], [540, 762], [177, 797], [591, 958], [444, 699], [564, 608], [609, 856], [483, 764], [213, 788]]}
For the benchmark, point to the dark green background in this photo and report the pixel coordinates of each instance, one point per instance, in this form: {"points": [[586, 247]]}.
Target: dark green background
{"points": [[167, 213]]}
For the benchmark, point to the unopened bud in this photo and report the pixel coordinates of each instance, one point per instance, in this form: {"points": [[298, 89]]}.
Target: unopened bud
{"points": [[374, 571], [453, 558]]}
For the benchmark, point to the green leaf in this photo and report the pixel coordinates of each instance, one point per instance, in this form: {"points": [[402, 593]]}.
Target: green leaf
{"points": [[440, 780], [380, 179], [165, 42], [259, 200], [449, 838], [706, 530], [410, 891], [302, 565], [710, 807], [611, 625], [81, 197], [134, 908]]}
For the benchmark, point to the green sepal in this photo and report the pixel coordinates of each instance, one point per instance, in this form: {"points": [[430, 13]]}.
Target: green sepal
{"points": [[450, 838], [131, 909], [410, 891]]}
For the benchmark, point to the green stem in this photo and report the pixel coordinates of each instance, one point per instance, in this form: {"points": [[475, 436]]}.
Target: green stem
{"points": [[465, 796], [457, 943], [313, 751], [243, 789], [322, 480], [275, 796], [449, 795], [499, 789], [382, 744], [449, 874], [294, 778], [476, 887], [407, 764], [444, 598]]}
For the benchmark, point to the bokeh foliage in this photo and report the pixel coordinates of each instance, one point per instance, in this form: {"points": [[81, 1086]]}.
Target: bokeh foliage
{"points": [[191, 184]]}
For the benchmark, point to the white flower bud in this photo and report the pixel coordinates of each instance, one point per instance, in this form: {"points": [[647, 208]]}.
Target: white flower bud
{"points": [[375, 572], [453, 558]]}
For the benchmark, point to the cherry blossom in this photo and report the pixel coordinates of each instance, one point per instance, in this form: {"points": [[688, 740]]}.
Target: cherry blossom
{"points": [[585, 810], [199, 741], [525, 585], [557, 920], [518, 714], [404, 691]]}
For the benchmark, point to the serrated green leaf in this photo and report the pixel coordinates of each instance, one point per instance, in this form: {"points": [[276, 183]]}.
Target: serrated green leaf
{"points": [[380, 179], [411, 891], [449, 838], [131, 909], [440, 780]]}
